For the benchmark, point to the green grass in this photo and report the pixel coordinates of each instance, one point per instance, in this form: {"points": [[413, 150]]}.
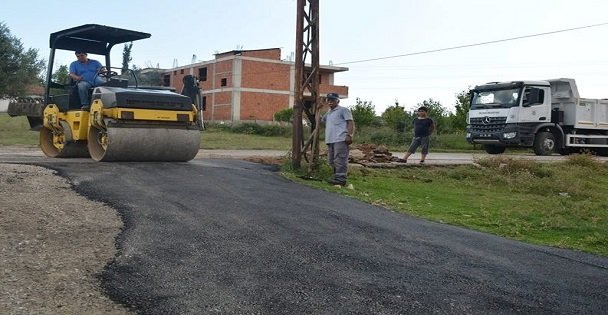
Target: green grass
{"points": [[16, 131], [219, 139], [557, 204]]}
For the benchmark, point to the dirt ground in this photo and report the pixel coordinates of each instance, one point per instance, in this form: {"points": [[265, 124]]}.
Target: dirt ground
{"points": [[54, 244]]}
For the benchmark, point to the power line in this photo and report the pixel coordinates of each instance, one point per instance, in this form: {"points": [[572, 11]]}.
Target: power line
{"points": [[471, 45]]}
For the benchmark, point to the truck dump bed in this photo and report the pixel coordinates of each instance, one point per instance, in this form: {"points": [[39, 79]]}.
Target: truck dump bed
{"points": [[581, 113]]}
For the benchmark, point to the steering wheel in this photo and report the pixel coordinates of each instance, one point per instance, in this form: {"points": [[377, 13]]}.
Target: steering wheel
{"points": [[107, 74]]}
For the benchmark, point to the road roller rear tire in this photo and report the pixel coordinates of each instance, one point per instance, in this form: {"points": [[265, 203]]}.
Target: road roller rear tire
{"points": [[72, 149], [139, 143]]}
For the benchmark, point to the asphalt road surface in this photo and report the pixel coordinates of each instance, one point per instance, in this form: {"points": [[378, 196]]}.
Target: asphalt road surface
{"points": [[232, 237]]}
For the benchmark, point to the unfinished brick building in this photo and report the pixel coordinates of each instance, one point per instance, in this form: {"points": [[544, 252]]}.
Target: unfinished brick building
{"points": [[248, 85]]}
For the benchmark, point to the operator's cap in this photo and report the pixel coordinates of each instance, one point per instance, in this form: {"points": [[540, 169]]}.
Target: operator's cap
{"points": [[333, 96], [80, 51]]}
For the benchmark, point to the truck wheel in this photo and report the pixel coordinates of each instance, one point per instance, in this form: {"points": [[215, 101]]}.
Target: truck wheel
{"points": [[494, 149], [544, 143]]}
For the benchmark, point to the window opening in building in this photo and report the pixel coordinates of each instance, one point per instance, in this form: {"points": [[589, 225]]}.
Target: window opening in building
{"points": [[182, 72], [204, 103], [166, 80], [202, 74], [224, 82]]}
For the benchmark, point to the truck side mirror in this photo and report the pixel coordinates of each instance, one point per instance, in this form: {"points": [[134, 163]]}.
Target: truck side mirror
{"points": [[532, 96]]}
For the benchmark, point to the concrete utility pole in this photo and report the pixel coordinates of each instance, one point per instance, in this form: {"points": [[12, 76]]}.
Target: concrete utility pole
{"points": [[306, 82]]}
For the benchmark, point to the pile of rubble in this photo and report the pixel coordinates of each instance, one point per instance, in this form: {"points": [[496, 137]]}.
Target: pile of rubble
{"points": [[372, 154]]}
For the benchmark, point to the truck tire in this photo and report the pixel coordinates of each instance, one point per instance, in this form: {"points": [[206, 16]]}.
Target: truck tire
{"points": [[494, 149], [544, 143]]}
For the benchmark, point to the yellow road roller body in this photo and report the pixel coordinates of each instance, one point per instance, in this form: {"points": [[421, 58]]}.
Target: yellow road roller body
{"points": [[120, 134], [124, 122]]}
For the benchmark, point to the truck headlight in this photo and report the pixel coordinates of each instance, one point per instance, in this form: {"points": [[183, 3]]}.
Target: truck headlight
{"points": [[509, 135], [468, 135]]}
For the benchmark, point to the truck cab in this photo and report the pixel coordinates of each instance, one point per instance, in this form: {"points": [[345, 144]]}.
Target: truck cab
{"points": [[548, 116], [513, 114]]}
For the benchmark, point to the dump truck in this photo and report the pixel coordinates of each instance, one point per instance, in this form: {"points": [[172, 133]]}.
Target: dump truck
{"points": [[124, 122], [548, 116]]}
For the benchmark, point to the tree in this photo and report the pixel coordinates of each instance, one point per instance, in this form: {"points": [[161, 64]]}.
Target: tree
{"points": [[61, 75], [395, 117], [363, 113], [463, 103], [19, 68], [126, 57], [438, 113], [435, 108], [145, 76]]}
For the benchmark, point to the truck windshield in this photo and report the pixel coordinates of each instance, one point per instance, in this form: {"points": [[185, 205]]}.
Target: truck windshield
{"points": [[503, 98]]}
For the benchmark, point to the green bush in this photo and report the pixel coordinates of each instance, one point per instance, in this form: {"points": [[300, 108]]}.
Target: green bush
{"points": [[285, 115], [450, 141], [363, 113], [390, 138], [396, 118]]}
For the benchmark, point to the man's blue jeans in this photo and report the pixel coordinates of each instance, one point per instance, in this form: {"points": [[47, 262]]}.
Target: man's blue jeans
{"points": [[83, 90]]}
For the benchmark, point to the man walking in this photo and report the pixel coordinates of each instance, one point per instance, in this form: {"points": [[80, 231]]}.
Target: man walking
{"points": [[339, 130], [423, 127]]}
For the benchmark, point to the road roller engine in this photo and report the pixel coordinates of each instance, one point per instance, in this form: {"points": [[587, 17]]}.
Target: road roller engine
{"points": [[124, 121]]}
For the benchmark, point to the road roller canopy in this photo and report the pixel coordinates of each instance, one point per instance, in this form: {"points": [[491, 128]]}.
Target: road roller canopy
{"points": [[93, 38]]}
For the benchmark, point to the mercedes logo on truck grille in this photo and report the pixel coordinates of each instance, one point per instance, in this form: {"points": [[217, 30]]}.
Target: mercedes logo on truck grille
{"points": [[486, 120]]}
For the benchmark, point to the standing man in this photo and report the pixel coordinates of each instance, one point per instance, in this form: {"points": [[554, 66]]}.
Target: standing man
{"points": [[423, 127], [339, 130], [84, 72]]}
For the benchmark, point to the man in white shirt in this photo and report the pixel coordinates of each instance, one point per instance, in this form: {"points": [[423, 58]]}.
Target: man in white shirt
{"points": [[339, 130]]}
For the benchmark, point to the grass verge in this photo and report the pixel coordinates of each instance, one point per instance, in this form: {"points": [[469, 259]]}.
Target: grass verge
{"points": [[557, 204], [16, 131], [213, 138]]}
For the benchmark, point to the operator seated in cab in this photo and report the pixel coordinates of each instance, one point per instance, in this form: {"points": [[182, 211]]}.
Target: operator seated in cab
{"points": [[85, 72]]}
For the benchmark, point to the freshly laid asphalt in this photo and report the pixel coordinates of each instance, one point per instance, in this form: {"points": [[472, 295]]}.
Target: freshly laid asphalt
{"points": [[231, 237]]}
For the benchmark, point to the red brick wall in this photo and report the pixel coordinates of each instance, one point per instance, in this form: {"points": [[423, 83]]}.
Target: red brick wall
{"points": [[221, 113], [265, 75], [176, 79], [223, 98], [255, 75], [222, 109], [273, 53], [223, 69], [340, 89], [262, 106]]}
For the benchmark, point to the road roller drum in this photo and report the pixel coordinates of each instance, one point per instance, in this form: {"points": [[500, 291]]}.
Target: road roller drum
{"points": [[132, 142]]}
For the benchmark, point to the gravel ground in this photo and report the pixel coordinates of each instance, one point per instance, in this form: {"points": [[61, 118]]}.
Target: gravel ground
{"points": [[54, 244]]}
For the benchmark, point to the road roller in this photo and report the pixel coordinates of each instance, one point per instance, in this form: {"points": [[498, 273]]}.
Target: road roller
{"points": [[125, 120]]}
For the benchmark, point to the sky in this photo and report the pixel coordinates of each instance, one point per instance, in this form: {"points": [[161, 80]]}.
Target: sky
{"points": [[354, 30]]}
